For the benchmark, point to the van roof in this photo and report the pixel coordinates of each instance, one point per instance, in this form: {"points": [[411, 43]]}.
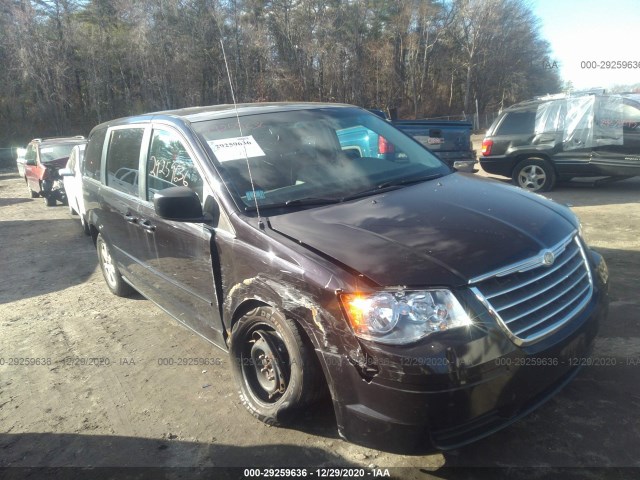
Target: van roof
{"points": [[197, 114]]}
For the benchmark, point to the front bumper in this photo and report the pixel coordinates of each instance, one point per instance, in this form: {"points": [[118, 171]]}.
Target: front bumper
{"points": [[468, 166], [464, 394], [53, 189], [462, 161]]}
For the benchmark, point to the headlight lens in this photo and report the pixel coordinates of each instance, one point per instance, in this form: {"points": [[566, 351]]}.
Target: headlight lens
{"points": [[404, 316]]}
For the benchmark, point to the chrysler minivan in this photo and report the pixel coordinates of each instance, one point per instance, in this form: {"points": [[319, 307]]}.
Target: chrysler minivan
{"points": [[434, 308]]}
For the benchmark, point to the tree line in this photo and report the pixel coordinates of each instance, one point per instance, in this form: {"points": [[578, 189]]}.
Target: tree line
{"points": [[70, 64]]}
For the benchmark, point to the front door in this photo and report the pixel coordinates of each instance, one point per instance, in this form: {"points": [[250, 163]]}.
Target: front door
{"points": [[178, 253]]}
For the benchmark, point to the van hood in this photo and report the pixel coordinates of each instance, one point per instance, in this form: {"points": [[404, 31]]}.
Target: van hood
{"points": [[438, 233]]}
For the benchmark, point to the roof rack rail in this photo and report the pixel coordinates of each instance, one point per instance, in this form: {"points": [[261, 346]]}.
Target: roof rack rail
{"points": [[590, 91], [577, 93]]}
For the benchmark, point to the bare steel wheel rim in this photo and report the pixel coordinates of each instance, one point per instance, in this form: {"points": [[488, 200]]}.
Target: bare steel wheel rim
{"points": [[532, 177], [265, 365], [107, 265]]}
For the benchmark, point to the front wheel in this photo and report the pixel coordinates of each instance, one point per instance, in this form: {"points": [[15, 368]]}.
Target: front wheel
{"points": [[110, 272], [276, 370], [535, 175]]}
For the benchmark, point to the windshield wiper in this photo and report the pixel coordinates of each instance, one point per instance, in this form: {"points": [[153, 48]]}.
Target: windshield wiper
{"points": [[391, 184], [311, 201], [408, 181], [296, 202]]}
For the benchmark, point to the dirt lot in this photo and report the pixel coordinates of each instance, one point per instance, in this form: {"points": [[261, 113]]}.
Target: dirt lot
{"points": [[132, 410]]}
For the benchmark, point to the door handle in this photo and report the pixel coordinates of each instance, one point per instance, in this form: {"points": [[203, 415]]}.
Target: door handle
{"points": [[146, 224], [130, 218]]}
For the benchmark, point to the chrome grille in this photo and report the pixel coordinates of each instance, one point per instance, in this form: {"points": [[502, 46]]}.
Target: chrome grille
{"points": [[531, 300]]}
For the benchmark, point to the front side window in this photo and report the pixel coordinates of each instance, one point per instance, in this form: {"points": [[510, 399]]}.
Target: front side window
{"points": [[123, 157], [316, 155], [631, 117], [170, 165]]}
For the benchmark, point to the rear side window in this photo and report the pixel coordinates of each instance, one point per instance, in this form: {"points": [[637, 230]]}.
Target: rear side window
{"points": [[170, 165], [515, 123], [93, 154], [123, 158]]}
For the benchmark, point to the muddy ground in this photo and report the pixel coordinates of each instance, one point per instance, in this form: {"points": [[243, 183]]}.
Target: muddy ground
{"points": [[132, 410]]}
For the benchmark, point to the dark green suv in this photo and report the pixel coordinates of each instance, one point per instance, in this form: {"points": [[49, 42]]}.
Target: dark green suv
{"points": [[560, 137]]}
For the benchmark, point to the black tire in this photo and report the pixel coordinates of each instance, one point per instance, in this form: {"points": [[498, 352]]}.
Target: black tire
{"points": [[50, 201], [535, 175], [276, 370], [110, 272]]}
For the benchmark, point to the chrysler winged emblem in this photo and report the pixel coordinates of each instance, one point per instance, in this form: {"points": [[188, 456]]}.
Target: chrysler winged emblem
{"points": [[548, 258]]}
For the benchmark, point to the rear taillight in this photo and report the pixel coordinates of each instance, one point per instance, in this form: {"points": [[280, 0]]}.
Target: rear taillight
{"points": [[486, 147], [384, 146]]}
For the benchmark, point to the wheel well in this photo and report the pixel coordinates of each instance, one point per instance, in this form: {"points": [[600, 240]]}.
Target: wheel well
{"points": [[249, 305], [93, 231], [533, 156], [245, 307]]}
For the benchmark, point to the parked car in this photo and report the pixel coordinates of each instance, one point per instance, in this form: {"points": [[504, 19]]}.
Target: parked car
{"points": [[44, 158], [434, 307], [72, 178], [450, 141], [538, 142], [20, 161]]}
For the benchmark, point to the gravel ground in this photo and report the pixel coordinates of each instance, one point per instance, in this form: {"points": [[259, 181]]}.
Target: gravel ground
{"points": [[101, 393]]}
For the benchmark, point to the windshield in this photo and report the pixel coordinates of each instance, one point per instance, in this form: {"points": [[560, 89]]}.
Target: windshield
{"points": [[322, 155], [49, 153]]}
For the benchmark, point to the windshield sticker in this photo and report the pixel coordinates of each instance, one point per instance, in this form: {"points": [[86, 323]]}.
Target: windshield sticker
{"points": [[46, 150], [235, 148], [259, 195]]}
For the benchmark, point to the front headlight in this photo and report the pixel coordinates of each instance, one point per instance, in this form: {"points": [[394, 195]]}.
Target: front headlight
{"points": [[399, 317]]}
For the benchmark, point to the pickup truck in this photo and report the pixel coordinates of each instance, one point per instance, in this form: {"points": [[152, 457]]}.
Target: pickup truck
{"points": [[450, 141]]}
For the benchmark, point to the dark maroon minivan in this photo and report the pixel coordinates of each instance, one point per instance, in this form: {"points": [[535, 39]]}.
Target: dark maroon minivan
{"points": [[433, 307]]}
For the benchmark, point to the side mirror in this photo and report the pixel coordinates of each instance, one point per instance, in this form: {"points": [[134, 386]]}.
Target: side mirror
{"points": [[180, 204], [66, 172]]}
